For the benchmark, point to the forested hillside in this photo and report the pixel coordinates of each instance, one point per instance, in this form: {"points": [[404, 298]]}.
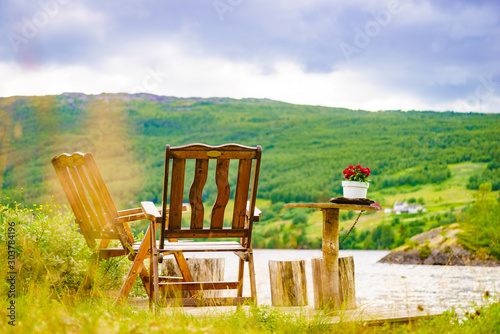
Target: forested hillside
{"points": [[305, 148]]}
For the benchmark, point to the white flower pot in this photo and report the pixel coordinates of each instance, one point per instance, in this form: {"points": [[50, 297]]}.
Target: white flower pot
{"points": [[355, 189]]}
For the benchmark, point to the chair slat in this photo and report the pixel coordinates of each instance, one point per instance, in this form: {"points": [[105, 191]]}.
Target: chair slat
{"points": [[224, 232], [64, 176], [176, 193], [223, 193], [253, 193], [196, 191], [202, 151], [100, 187], [102, 218], [241, 195], [207, 155], [106, 202], [89, 214], [66, 160]]}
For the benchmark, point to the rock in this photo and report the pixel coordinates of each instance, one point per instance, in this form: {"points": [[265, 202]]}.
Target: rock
{"points": [[438, 246]]}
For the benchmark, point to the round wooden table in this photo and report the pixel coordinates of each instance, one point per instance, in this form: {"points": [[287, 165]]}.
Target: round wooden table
{"points": [[330, 246]]}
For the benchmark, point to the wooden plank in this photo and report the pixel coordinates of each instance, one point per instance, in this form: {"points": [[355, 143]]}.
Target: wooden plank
{"points": [[130, 218], [128, 212], [95, 186], [201, 269], [102, 216], [241, 193], [201, 151], [164, 216], [101, 234], [253, 194], [89, 216], [205, 147], [195, 302], [223, 193], [330, 249], [66, 160], [370, 316], [112, 252], [198, 285], [135, 268], [176, 194], [99, 184], [195, 193], [225, 232], [71, 194], [224, 155], [105, 198], [253, 280], [202, 247], [332, 206], [241, 272]]}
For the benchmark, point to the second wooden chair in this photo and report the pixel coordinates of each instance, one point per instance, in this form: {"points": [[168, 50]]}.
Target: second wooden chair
{"points": [[207, 238]]}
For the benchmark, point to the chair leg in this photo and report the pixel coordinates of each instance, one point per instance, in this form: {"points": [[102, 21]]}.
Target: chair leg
{"points": [[144, 275], [153, 268], [241, 272], [136, 268], [183, 266], [251, 271]]}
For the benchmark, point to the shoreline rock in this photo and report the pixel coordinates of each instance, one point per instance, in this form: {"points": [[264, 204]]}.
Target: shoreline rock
{"points": [[438, 246]]}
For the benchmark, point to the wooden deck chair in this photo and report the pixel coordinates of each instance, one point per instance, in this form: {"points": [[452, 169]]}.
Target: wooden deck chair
{"points": [[169, 221], [100, 221]]}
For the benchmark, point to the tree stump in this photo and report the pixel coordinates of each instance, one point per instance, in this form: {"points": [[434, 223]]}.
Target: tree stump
{"points": [[202, 270], [288, 283], [347, 290]]}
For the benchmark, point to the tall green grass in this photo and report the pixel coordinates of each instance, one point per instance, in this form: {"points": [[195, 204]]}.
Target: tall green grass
{"points": [[51, 260]]}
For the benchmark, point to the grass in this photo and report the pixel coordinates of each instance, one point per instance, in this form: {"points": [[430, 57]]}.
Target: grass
{"points": [[39, 310], [51, 258]]}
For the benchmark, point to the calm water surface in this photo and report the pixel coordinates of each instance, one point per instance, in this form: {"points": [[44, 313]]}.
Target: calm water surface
{"points": [[388, 286]]}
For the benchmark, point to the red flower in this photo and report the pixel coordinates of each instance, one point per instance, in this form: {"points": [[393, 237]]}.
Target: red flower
{"points": [[357, 173]]}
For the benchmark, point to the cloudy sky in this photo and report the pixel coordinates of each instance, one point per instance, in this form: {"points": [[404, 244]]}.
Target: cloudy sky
{"points": [[360, 54]]}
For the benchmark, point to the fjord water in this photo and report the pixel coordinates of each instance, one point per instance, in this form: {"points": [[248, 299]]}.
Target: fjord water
{"points": [[385, 286]]}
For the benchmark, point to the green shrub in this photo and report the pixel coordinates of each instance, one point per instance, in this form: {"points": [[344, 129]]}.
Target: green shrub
{"points": [[482, 224], [50, 250]]}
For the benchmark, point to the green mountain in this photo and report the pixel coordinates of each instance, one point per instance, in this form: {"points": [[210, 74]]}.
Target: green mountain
{"points": [[305, 148]]}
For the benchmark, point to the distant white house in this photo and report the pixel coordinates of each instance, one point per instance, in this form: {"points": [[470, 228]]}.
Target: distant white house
{"points": [[401, 207]]}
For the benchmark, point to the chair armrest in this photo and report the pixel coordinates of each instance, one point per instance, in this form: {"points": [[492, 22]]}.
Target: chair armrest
{"points": [[129, 215], [150, 211], [257, 214], [129, 212]]}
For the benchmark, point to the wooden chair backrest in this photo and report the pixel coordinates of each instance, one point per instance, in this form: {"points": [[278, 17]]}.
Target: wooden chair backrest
{"points": [[89, 198], [244, 191]]}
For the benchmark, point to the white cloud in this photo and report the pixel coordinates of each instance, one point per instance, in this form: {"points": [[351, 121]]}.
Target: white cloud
{"points": [[280, 50], [173, 71], [78, 19]]}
